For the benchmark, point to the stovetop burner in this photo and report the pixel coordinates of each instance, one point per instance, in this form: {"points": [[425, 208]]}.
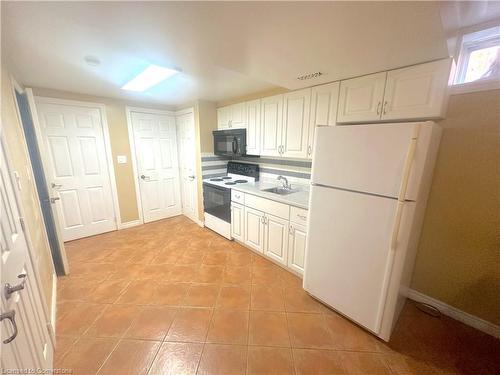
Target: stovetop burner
{"points": [[240, 181], [216, 179], [226, 178], [230, 183]]}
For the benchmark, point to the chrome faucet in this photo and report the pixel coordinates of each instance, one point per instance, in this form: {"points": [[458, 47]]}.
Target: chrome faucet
{"points": [[285, 183]]}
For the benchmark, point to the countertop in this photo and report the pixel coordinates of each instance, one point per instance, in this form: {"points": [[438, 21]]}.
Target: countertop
{"points": [[297, 199]]}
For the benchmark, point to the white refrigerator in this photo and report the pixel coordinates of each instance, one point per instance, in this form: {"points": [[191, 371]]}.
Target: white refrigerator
{"points": [[369, 188]]}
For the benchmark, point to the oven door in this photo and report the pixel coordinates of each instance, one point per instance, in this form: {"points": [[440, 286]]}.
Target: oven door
{"points": [[230, 142], [217, 201]]}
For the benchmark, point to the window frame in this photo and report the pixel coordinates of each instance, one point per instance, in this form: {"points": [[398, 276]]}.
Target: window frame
{"points": [[464, 50]]}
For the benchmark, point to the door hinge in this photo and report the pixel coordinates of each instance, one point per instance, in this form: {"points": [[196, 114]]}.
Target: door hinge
{"points": [[23, 225]]}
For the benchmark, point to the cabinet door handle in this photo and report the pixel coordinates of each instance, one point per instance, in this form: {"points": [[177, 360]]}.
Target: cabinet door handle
{"points": [[290, 230], [384, 110], [378, 108], [303, 217], [309, 150], [11, 315]]}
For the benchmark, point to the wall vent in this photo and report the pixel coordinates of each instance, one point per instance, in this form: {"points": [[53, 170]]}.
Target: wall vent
{"points": [[309, 76]]}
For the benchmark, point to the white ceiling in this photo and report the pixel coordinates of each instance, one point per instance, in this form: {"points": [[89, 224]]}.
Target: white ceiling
{"points": [[225, 50]]}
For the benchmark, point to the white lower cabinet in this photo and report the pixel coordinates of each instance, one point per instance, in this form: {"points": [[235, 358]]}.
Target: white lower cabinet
{"points": [[297, 247], [237, 221], [276, 238], [280, 236], [253, 222]]}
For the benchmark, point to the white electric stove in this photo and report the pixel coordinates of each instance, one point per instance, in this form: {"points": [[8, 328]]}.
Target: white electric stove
{"points": [[217, 195]]}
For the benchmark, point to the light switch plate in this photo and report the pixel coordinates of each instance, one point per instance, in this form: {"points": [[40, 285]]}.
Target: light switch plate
{"points": [[121, 159]]}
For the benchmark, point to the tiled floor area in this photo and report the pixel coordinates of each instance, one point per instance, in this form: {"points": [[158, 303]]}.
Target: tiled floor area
{"points": [[172, 298]]}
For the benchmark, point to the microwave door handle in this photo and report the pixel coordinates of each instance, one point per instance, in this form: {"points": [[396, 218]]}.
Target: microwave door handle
{"points": [[235, 145]]}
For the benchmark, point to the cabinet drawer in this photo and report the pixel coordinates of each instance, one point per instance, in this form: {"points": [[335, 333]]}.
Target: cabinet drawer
{"points": [[267, 205], [298, 215], [237, 196]]}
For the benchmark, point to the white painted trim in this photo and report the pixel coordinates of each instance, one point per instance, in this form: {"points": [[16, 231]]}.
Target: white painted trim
{"points": [[130, 224], [107, 144], [184, 111], [475, 86], [130, 130], [466, 318], [150, 111], [52, 323]]}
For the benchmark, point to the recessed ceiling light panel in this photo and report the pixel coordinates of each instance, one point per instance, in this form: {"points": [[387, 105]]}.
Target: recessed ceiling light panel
{"points": [[149, 77]]}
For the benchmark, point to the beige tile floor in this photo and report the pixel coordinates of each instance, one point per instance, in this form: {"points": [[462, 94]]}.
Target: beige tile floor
{"points": [[172, 298]]}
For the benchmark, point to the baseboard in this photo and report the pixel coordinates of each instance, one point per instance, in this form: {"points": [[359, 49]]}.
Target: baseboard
{"points": [[129, 224], [53, 307], [466, 318]]}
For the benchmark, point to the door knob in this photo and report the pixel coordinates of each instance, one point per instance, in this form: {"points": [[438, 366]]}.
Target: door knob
{"points": [[144, 177], [191, 177], [53, 200], [55, 186], [9, 289], [11, 315]]}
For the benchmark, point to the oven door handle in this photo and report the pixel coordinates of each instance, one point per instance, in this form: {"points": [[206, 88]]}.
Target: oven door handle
{"points": [[235, 145]]}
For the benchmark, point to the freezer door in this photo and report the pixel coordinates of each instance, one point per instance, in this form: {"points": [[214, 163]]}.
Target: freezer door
{"points": [[348, 253], [367, 158]]}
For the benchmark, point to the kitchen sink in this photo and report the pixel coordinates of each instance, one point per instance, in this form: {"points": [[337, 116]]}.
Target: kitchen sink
{"points": [[280, 190]]}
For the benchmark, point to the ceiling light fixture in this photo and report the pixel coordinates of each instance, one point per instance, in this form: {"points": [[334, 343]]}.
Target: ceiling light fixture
{"points": [[149, 77], [309, 76]]}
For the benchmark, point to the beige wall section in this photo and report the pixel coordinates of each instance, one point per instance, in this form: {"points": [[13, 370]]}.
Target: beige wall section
{"points": [[459, 252], [205, 119], [257, 95], [118, 134], [18, 154]]}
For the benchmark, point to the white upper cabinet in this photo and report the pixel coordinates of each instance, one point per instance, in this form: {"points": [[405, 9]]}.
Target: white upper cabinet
{"points": [[271, 125], [324, 101], [295, 132], [253, 127], [231, 117], [361, 98], [223, 117], [238, 116], [417, 92]]}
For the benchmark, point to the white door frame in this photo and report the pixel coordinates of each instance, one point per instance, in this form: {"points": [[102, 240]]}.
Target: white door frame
{"points": [[181, 112], [130, 129], [107, 144]]}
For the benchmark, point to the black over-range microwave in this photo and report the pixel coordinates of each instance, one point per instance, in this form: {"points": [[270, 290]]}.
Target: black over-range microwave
{"points": [[231, 142]]}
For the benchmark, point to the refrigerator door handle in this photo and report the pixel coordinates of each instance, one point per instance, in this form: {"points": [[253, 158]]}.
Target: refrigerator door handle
{"points": [[397, 223]]}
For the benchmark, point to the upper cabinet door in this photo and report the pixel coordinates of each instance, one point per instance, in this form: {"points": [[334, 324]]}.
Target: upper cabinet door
{"points": [[253, 127], [296, 106], [223, 117], [238, 117], [417, 92], [271, 125], [324, 102], [361, 98]]}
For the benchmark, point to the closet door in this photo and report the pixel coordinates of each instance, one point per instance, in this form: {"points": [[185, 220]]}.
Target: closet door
{"points": [[296, 106]]}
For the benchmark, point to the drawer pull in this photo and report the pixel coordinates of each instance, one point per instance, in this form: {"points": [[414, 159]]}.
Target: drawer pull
{"points": [[303, 217]]}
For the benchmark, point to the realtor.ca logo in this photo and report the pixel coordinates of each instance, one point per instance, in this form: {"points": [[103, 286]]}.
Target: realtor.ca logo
{"points": [[29, 371]]}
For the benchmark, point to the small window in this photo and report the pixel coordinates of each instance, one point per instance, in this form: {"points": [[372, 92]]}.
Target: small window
{"points": [[479, 58]]}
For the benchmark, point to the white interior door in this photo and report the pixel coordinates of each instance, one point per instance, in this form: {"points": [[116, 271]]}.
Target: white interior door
{"points": [[77, 168], [22, 309], [187, 165], [155, 145]]}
